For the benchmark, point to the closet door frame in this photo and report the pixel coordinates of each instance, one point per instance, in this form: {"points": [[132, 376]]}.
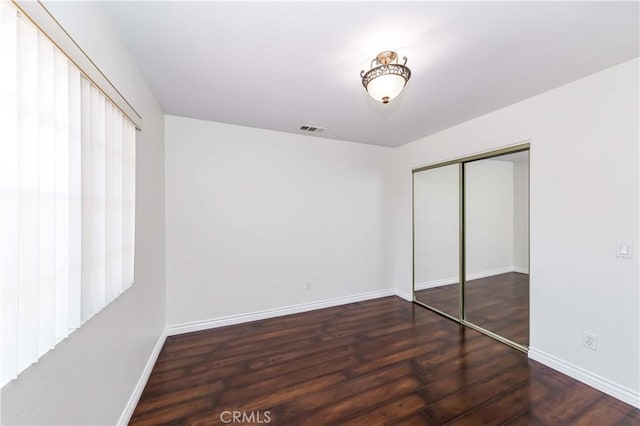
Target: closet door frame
{"points": [[462, 237]]}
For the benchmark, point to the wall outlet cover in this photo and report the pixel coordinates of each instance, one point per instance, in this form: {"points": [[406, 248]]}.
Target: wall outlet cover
{"points": [[590, 340]]}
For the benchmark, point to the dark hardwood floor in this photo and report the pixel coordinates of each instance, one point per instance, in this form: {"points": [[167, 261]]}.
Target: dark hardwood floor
{"points": [[384, 361], [499, 303]]}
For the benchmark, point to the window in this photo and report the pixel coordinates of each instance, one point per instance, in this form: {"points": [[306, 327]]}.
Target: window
{"points": [[67, 195]]}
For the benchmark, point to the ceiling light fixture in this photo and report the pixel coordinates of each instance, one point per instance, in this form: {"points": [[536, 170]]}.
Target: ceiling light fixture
{"points": [[386, 78]]}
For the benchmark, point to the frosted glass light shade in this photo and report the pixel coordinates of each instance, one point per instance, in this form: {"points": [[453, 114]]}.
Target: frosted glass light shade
{"points": [[386, 87], [386, 78]]}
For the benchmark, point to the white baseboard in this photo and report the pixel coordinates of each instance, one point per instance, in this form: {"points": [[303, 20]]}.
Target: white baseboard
{"points": [[403, 294], [142, 381], [598, 382], [489, 273], [276, 312], [473, 276], [437, 283]]}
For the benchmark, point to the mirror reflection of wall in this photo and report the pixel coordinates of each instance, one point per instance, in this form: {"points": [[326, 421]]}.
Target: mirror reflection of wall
{"points": [[436, 238], [497, 245]]}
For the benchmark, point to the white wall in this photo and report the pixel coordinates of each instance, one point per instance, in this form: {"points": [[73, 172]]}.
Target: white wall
{"points": [[252, 215], [521, 216], [88, 378], [584, 197]]}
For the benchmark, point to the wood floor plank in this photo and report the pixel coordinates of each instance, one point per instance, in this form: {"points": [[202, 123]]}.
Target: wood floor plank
{"points": [[451, 356], [266, 359], [565, 406], [300, 407], [257, 389], [475, 394], [373, 363], [606, 411], [418, 419], [361, 402], [499, 303], [504, 407], [292, 367], [384, 361], [388, 413], [189, 377], [263, 402], [171, 413], [460, 373], [179, 396]]}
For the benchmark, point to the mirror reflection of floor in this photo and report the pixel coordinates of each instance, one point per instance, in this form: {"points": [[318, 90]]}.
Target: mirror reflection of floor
{"points": [[499, 303]]}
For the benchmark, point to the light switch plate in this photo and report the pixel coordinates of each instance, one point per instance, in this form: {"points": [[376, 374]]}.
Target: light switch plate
{"points": [[624, 250]]}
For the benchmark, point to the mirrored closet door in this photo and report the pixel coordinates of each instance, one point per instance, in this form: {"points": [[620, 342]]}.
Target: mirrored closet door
{"points": [[497, 245], [471, 220], [436, 212]]}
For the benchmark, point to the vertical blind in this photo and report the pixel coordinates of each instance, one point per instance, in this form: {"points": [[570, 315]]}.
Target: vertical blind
{"points": [[67, 200]]}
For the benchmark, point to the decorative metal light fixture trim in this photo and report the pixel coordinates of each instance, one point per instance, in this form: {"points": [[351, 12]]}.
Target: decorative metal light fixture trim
{"points": [[386, 78]]}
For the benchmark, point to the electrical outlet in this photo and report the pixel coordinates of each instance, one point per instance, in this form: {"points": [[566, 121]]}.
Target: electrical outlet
{"points": [[590, 341], [307, 286]]}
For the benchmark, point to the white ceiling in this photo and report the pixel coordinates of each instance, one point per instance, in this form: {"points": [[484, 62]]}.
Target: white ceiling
{"points": [[280, 65]]}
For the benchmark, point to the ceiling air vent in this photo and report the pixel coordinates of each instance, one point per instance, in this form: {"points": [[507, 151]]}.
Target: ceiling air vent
{"points": [[313, 129]]}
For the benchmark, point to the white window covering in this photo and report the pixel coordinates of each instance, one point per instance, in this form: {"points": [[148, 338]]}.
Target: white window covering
{"points": [[67, 196]]}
